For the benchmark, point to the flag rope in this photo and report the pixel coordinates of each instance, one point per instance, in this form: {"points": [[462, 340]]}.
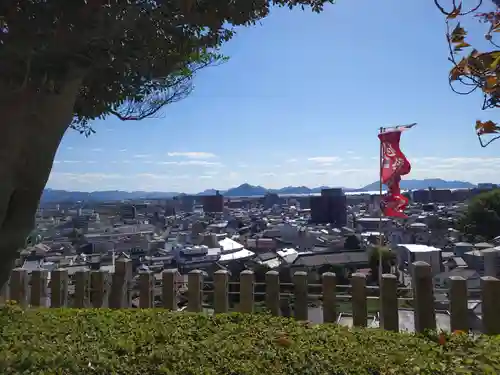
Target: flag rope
{"points": [[381, 214]]}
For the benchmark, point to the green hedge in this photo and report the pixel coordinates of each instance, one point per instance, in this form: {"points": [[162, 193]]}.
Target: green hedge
{"points": [[70, 341]]}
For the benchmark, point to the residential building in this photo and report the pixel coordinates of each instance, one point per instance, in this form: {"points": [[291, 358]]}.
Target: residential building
{"points": [[213, 203]]}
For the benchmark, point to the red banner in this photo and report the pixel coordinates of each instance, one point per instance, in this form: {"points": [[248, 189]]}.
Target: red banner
{"points": [[393, 203], [393, 165]]}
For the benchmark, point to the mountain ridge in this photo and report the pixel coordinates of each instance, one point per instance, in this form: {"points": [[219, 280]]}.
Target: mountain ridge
{"points": [[245, 189]]}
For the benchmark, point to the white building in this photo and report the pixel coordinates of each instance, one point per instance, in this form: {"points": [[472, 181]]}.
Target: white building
{"points": [[409, 253], [192, 255], [232, 250]]}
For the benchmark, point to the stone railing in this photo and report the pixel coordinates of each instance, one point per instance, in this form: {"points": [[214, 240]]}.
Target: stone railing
{"points": [[99, 289]]}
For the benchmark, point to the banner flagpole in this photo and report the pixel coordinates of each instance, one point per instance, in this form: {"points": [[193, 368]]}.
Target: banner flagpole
{"points": [[399, 173], [381, 214]]}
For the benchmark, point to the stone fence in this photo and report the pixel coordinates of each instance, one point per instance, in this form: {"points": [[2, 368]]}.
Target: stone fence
{"points": [[100, 289]]}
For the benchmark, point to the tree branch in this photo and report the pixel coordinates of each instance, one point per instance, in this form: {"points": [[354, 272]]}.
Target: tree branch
{"points": [[483, 145], [446, 13], [163, 92]]}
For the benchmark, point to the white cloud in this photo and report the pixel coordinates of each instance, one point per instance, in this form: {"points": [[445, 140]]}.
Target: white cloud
{"points": [[121, 161], [199, 162], [424, 159], [190, 162], [123, 150], [291, 160], [96, 150], [465, 164], [473, 169], [152, 176], [208, 174], [324, 159], [142, 156], [319, 171], [69, 148], [156, 176], [70, 161], [211, 172], [193, 155], [231, 176], [84, 177]]}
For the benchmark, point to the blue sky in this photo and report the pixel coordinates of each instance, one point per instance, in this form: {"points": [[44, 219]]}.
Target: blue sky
{"points": [[299, 103]]}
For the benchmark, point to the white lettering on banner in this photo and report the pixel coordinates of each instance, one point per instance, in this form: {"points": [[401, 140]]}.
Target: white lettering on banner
{"points": [[397, 164], [388, 151]]}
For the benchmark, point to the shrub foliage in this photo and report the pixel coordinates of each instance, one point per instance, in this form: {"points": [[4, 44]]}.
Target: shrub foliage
{"points": [[101, 341], [481, 220]]}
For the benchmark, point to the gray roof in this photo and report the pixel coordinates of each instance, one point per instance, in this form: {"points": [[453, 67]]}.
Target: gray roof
{"points": [[483, 245], [460, 262], [318, 259], [464, 244], [463, 272]]}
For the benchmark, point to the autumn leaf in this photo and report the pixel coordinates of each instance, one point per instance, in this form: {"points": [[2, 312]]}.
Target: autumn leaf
{"points": [[481, 64], [461, 68], [491, 81], [488, 90], [474, 53], [455, 73], [442, 339], [458, 34], [455, 12], [461, 45], [487, 127], [495, 27], [494, 64], [283, 340]]}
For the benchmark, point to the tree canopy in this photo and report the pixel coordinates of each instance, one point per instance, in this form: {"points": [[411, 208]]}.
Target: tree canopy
{"points": [[481, 220], [472, 69], [380, 254], [134, 56]]}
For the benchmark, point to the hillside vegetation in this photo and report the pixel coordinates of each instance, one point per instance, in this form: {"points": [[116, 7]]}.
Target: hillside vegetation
{"points": [[133, 341]]}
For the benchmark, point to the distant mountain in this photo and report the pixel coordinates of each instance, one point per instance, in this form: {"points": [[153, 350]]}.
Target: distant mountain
{"points": [[295, 190], [247, 190], [436, 183], [209, 192], [244, 190], [50, 195]]}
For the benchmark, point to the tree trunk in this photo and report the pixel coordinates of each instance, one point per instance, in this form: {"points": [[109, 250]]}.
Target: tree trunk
{"points": [[33, 124]]}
